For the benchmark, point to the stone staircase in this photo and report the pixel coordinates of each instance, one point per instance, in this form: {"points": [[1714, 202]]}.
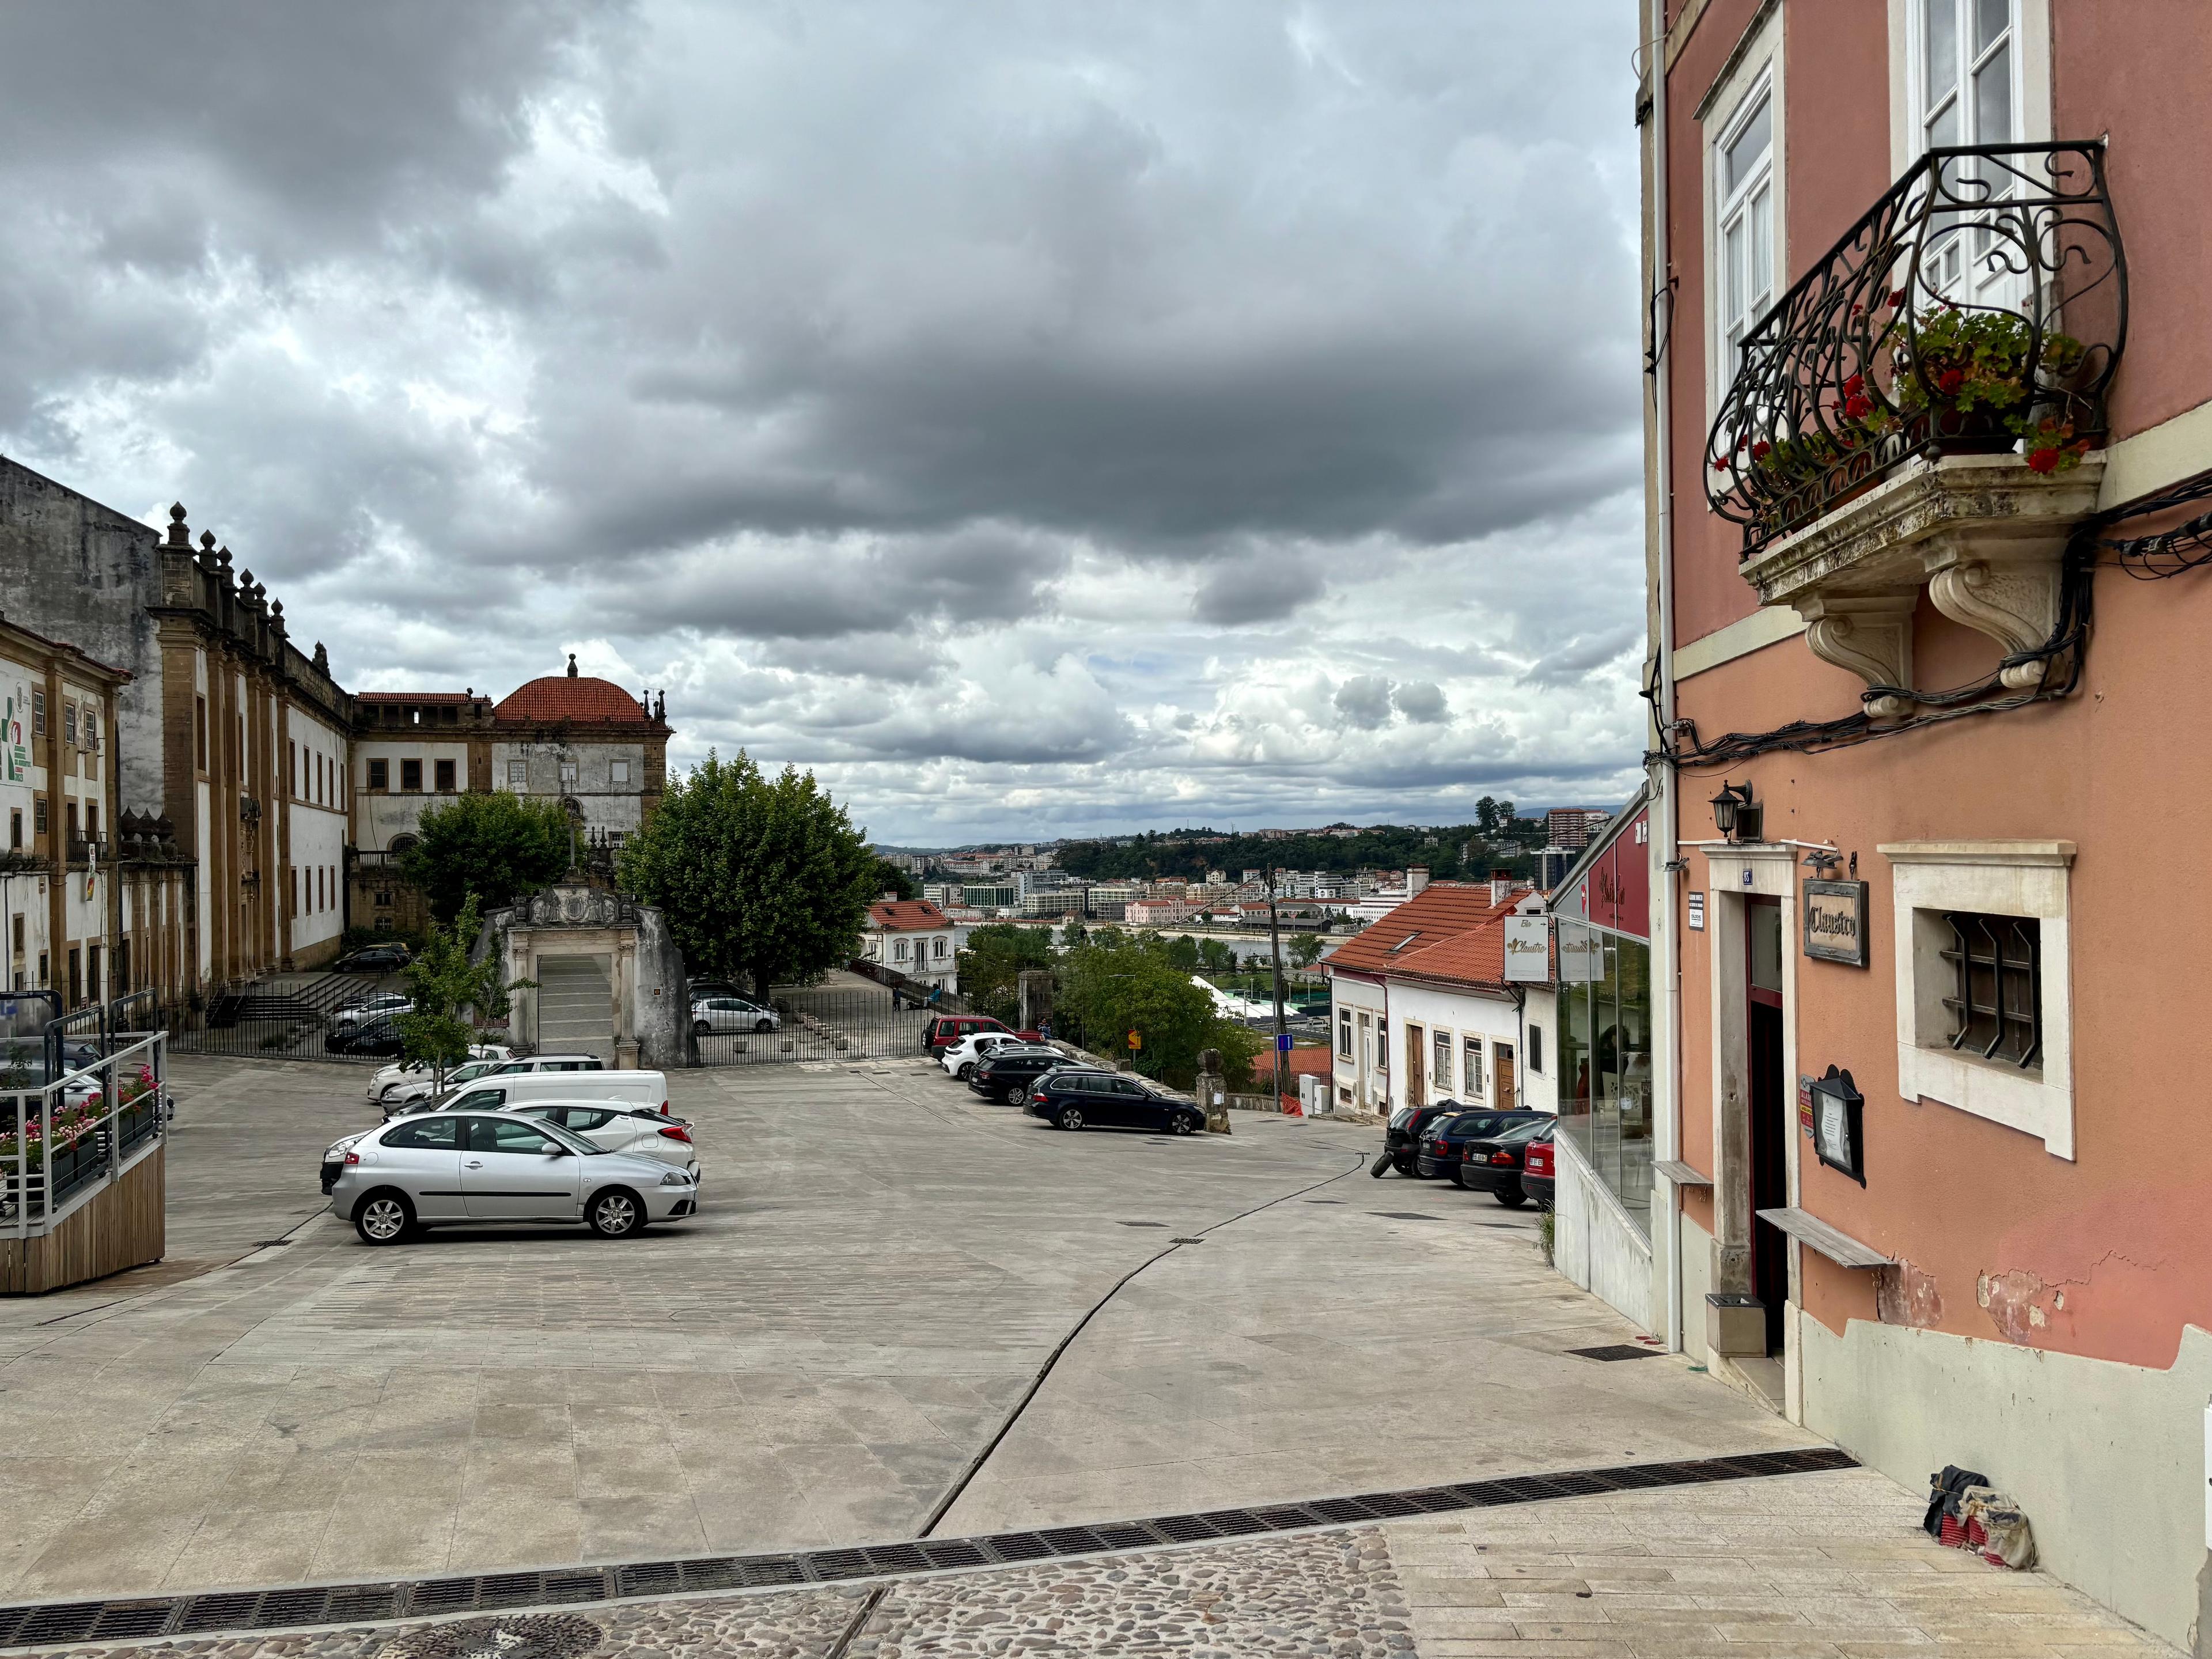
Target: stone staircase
{"points": [[575, 1007]]}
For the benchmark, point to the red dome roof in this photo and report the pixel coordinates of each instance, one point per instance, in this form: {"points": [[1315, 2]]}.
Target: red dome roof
{"points": [[581, 699]]}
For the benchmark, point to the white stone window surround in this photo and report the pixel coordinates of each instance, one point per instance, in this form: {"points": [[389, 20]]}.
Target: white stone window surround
{"points": [[2031, 77], [1999, 877], [1755, 74]]}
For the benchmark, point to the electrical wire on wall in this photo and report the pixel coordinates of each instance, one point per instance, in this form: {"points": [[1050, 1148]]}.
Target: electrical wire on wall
{"points": [[2167, 553]]}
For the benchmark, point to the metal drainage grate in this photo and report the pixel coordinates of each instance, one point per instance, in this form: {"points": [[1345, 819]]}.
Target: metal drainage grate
{"points": [[1616, 1350], [60, 1623]]}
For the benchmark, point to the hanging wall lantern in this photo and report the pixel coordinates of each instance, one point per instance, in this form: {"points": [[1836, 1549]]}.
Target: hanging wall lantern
{"points": [[1736, 814]]}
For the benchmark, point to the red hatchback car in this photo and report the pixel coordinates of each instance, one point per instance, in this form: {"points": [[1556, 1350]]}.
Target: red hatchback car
{"points": [[946, 1030], [1537, 1174]]}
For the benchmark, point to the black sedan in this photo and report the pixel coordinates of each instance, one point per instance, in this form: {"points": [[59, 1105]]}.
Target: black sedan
{"points": [[1008, 1073], [1402, 1136], [1078, 1099], [378, 1036], [375, 959], [1483, 1153]]}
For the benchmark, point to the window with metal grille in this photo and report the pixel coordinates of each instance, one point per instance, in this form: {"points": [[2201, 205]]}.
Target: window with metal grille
{"points": [[1997, 987]]}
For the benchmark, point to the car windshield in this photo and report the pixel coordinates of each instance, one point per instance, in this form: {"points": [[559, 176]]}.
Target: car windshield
{"points": [[1399, 1118], [1524, 1131], [569, 1138]]}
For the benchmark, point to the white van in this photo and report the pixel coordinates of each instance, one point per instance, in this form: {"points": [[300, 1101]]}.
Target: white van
{"points": [[489, 1094]]}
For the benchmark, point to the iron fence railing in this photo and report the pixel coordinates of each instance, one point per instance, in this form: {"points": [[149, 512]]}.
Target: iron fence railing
{"points": [[809, 1024], [1979, 306], [64, 1136]]}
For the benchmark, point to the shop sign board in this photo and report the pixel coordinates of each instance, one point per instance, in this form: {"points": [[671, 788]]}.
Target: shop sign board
{"points": [[1697, 910], [1581, 955], [1528, 950], [1836, 921]]}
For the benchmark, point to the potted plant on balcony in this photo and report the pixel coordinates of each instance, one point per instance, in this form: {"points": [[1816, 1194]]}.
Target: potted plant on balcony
{"points": [[1983, 379]]}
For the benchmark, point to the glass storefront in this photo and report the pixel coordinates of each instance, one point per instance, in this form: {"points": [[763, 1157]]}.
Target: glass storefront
{"points": [[1605, 1061]]}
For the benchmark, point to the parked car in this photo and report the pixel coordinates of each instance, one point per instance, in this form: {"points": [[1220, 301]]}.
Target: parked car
{"points": [[496, 1168], [1482, 1151], [942, 1032], [628, 1129], [388, 1078], [504, 1088], [380, 1036], [1077, 1098], [370, 1007], [1537, 1168], [733, 1013], [960, 1059], [1402, 1135], [1007, 1074], [697, 989], [409, 1095], [375, 959]]}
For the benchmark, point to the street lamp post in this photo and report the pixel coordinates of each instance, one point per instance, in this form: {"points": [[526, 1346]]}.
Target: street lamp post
{"points": [[1275, 944]]}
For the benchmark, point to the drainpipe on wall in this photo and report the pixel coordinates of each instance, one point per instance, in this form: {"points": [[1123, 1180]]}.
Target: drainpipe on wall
{"points": [[1666, 850]]}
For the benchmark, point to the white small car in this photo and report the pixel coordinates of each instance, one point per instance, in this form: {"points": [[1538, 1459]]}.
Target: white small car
{"points": [[629, 1130], [390, 1077], [711, 1014], [960, 1058], [413, 1092]]}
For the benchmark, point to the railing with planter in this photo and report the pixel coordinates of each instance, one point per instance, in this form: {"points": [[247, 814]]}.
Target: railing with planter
{"points": [[60, 1139], [1980, 306]]}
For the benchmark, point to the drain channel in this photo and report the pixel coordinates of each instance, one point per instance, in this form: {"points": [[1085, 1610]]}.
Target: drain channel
{"points": [[50, 1624]]}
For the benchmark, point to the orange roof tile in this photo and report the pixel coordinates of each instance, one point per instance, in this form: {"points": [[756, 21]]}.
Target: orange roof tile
{"points": [[907, 915], [1475, 957], [1442, 910], [558, 697]]}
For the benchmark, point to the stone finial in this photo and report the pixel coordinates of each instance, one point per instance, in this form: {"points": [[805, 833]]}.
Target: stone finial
{"points": [[244, 582], [180, 533], [222, 558], [572, 664], [660, 708], [644, 703], [207, 540], [322, 657]]}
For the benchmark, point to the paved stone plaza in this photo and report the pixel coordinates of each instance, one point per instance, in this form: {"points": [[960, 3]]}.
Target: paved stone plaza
{"points": [[882, 1265]]}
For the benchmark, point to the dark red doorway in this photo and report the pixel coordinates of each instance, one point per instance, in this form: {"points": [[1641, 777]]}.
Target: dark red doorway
{"points": [[1769, 1102]]}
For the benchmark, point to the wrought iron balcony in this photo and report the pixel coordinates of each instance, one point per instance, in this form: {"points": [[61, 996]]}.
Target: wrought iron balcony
{"points": [[1978, 308]]}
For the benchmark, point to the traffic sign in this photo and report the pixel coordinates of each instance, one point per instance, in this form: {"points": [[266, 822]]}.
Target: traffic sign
{"points": [[1136, 1039], [1282, 1042]]}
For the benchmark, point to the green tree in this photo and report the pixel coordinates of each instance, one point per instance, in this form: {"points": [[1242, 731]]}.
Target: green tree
{"points": [[1305, 950], [889, 878], [1115, 983], [1215, 956], [448, 988], [496, 847], [992, 962], [764, 882], [1183, 953]]}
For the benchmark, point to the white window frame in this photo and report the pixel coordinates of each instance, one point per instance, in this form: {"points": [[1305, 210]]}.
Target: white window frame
{"points": [[618, 771], [1471, 1059], [570, 775], [1997, 877], [1758, 74], [2031, 84], [518, 774], [1441, 1041], [1344, 1034], [898, 950]]}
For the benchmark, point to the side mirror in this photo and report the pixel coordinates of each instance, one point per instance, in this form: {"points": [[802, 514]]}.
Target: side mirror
{"points": [[557, 1151]]}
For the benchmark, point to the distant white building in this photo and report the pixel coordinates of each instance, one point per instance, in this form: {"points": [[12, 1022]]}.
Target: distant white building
{"points": [[912, 937]]}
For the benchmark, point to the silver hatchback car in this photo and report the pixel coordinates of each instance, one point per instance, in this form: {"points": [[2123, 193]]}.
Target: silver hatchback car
{"points": [[454, 1169]]}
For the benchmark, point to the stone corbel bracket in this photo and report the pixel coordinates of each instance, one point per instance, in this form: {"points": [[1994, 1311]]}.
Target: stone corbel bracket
{"points": [[1983, 533]]}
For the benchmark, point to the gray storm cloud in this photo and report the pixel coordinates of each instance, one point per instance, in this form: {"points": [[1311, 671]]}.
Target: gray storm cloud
{"points": [[1008, 410]]}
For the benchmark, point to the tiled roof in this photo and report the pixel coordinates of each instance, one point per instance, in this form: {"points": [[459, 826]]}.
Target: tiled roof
{"points": [[1304, 1062], [558, 697], [1475, 957], [1441, 911], [907, 916]]}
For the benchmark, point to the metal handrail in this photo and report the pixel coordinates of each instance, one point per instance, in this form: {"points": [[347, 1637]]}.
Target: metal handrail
{"points": [[1870, 360], [32, 1180]]}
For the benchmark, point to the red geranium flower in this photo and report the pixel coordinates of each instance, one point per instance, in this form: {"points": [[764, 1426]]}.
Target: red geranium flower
{"points": [[1860, 406], [1721, 465], [1760, 450], [2043, 461], [1856, 385]]}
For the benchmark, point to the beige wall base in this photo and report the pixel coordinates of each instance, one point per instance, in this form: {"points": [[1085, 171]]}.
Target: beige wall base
{"points": [[122, 1225], [2108, 1459]]}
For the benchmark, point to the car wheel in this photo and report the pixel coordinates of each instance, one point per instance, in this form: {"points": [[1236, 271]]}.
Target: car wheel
{"points": [[1071, 1117], [964, 1074], [1018, 1095], [385, 1216], [1404, 1166], [763, 1025], [1180, 1123], [1511, 1197], [616, 1213], [700, 1027]]}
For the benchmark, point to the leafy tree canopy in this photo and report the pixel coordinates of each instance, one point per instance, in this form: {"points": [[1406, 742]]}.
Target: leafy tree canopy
{"points": [[1305, 950], [446, 986], [496, 846], [764, 882], [1114, 982], [991, 963], [1457, 852], [891, 878]]}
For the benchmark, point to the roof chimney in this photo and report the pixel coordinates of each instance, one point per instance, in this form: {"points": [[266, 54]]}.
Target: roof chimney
{"points": [[1501, 885], [1417, 877]]}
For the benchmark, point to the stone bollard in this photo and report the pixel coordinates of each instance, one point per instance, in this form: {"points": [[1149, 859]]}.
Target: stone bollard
{"points": [[1212, 1091]]}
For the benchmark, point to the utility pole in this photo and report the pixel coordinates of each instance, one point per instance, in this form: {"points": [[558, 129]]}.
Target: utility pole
{"points": [[1282, 1028]]}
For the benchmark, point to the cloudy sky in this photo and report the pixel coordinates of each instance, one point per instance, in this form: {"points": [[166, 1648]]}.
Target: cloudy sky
{"points": [[1038, 418]]}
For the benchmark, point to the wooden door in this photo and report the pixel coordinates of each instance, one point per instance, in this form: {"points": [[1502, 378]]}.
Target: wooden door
{"points": [[1417, 1092], [1502, 1075]]}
